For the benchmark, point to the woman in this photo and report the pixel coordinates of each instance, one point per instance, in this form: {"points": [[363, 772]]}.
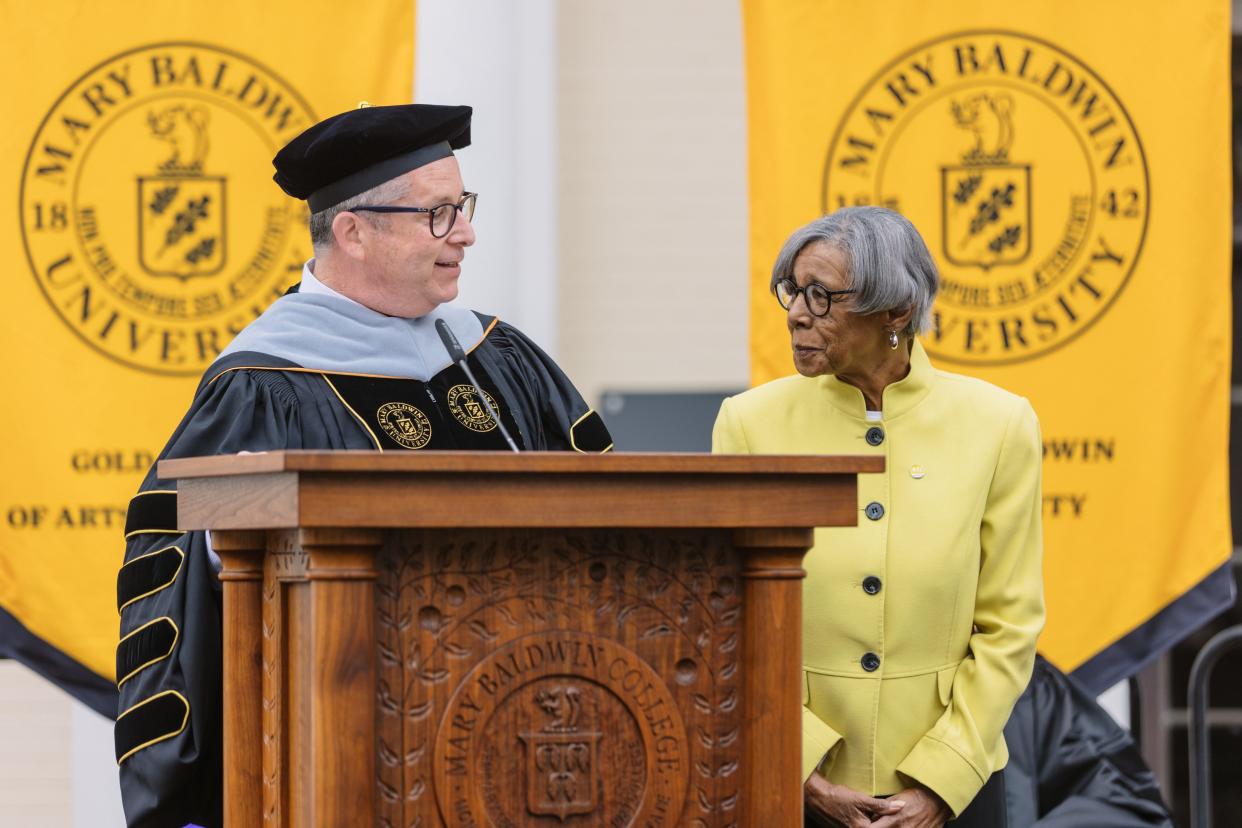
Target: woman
{"points": [[920, 622]]}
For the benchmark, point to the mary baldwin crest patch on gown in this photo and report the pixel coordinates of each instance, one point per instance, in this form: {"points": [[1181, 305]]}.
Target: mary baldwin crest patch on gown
{"points": [[463, 402], [147, 209], [405, 424], [1024, 174]]}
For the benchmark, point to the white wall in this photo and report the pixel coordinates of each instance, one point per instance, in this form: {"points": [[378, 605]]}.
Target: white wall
{"points": [[96, 795], [653, 232], [57, 765], [1116, 700], [500, 57], [610, 155]]}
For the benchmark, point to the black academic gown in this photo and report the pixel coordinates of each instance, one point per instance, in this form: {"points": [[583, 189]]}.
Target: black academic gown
{"points": [[168, 733], [1071, 766]]}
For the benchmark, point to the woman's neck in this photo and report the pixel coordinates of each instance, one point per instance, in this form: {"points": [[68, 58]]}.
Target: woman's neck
{"points": [[891, 367]]}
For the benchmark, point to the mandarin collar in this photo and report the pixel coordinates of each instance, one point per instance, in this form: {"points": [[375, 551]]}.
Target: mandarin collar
{"points": [[899, 397]]}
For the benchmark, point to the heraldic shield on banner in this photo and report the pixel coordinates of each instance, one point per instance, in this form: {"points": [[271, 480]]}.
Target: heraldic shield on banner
{"points": [[561, 759], [986, 200], [181, 211]]}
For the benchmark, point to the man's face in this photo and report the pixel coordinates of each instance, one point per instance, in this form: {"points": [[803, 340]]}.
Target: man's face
{"points": [[408, 271]]}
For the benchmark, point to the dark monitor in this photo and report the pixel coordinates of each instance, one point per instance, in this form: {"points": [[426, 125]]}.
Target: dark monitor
{"points": [[661, 421]]}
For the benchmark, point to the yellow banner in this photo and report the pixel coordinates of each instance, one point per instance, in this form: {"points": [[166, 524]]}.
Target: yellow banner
{"points": [[137, 147], [1068, 164]]}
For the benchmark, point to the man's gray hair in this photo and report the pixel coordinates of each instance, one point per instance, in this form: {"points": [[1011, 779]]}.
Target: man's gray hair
{"points": [[888, 264], [390, 191]]}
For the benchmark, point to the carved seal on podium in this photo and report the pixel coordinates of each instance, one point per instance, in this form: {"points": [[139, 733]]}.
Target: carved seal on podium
{"points": [[569, 719], [562, 758], [567, 678]]}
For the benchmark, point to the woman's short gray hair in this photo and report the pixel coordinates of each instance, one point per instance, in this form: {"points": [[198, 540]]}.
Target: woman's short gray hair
{"points": [[889, 265]]}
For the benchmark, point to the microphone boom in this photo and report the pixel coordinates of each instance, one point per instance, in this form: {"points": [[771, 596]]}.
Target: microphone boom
{"points": [[458, 356]]}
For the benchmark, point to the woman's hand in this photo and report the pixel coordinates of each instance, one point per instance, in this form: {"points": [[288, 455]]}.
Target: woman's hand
{"points": [[837, 806], [923, 809]]}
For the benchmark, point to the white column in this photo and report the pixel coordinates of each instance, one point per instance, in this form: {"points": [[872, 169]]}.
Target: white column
{"points": [[500, 57]]}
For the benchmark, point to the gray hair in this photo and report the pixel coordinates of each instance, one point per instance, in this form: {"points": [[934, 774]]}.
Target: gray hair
{"points": [[392, 190], [888, 264]]}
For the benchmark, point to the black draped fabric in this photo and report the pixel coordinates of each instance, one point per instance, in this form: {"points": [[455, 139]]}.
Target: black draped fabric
{"points": [[168, 734], [1071, 765]]}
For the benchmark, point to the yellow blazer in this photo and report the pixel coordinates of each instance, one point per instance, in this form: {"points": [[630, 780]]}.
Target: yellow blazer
{"points": [[919, 624]]}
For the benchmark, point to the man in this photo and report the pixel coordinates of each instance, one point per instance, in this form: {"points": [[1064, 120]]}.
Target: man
{"points": [[350, 359]]}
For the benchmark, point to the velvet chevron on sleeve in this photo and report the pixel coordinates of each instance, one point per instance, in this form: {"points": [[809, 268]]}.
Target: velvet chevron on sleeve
{"points": [[168, 731]]}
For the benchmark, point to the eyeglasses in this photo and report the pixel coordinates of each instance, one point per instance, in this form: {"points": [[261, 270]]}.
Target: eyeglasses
{"points": [[440, 218], [818, 298]]}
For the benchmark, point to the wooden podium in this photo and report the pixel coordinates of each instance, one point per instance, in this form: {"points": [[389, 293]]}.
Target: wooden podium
{"points": [[495, 640]]}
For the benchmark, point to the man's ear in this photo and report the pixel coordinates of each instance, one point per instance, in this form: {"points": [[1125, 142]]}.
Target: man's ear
{"points": [[350, 232]]}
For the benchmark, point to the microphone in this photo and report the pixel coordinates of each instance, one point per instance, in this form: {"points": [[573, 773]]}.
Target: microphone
{"points": [[458, 356]]}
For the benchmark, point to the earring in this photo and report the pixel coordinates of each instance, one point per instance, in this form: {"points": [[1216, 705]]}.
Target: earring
{"points": [[892, 340]]}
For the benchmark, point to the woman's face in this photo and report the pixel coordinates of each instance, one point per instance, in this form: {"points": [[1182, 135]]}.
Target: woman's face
{"points": [[843, 342]]}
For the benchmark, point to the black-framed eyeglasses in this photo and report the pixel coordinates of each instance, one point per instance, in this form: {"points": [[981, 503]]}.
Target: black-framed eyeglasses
{"points": [[818, 298], [440, 218]]}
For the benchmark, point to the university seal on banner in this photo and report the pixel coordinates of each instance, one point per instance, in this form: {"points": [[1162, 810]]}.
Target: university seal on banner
{"points": [[1023, 172], [147, 209]]}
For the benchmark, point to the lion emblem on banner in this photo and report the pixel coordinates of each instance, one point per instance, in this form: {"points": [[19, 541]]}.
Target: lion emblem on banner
{"points": [[987, 198], [181, 226]]}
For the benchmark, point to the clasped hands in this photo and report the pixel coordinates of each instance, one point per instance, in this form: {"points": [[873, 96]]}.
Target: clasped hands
{"points": [[836, 806]]}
